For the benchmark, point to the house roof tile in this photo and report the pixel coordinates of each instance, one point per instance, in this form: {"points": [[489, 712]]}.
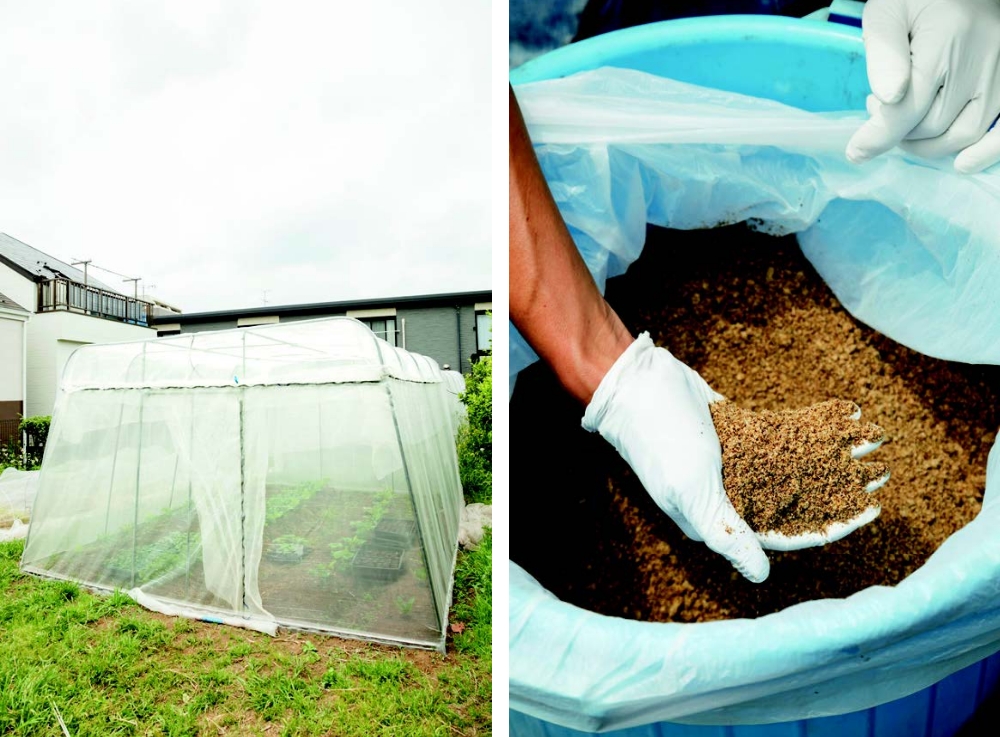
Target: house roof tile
{"points": [[8, 304], [38, 266]]}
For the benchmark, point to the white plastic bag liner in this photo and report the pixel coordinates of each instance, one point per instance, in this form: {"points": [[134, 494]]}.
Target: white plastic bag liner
{"points": [[910, 248], [17, 497], [172, 464], [476, 518], [17, 531]]}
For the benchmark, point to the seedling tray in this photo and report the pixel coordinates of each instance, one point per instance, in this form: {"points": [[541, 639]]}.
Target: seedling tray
{"points": [[119, 574], [285, 553], [378, 562], [397, 533]]}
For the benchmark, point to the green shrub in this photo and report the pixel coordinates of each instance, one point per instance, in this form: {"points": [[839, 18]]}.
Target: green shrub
{"points": [[36, 429], [13, 453], [475, 439], [10, 454]]}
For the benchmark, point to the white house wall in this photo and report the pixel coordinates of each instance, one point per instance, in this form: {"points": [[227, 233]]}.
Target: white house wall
{"points": [[21, 290], [11, 359], [52, 337]]}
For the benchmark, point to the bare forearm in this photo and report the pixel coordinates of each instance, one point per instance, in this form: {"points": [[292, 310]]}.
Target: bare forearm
{"points": [[554, 301]]}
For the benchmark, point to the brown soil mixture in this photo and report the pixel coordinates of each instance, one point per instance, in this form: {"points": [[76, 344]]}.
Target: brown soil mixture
{"points": [[792, 472], [750, 314]]}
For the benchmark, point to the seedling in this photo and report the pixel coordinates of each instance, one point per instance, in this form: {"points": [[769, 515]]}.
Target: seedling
{"points": [[343, 552], [405, 606], [287, 549], [289, 543], [289, 499], [167, 554]]}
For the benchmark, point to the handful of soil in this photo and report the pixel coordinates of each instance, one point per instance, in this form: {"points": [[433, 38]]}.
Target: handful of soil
{"points": [[793, 472]]}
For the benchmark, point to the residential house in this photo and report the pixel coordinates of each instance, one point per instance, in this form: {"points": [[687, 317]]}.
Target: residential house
{"points": [[13, 334], [67, 308], [454, 329]]}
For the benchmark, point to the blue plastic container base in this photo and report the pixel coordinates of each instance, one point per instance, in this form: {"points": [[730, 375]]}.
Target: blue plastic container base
{"points": [[938, 711]]}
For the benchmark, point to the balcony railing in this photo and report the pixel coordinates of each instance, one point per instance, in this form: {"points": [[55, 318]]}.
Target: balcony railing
{"points": [[63, 294]]}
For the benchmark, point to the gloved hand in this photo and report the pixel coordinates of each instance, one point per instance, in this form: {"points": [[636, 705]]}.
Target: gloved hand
{"points": [[654, 410], [934, 69]]}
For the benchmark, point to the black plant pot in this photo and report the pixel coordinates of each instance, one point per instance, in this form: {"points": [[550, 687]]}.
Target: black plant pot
{"points": [[397, 533], [378, 563]]}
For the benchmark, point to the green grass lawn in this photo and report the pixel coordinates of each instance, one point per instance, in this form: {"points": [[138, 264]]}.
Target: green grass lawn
{"points": [[105, 666]]}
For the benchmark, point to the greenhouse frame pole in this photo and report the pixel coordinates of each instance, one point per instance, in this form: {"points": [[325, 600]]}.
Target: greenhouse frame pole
{"points": [[114, 465], [138, 470], [190, 501], [319, 422], [243, 492], [416, 514], [442, 623]]}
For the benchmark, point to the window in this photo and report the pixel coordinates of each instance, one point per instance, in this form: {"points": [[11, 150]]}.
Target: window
{"points": [[383, 327], [168, 328], [246, 322], [380, 321], [484, 328]]}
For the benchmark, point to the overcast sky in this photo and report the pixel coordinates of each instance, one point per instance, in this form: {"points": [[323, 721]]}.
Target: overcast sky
{"points": [[321, 151]]}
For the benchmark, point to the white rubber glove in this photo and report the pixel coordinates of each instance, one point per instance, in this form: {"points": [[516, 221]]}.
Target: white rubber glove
{"points": [[654, 410], [834, 532], [934, 69]]}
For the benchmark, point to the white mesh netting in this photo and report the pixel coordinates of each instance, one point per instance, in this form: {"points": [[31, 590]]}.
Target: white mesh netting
{"points": [[300, 474]]}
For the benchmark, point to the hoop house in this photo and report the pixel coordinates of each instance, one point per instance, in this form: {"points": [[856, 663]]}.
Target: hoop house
{"points": [[301, 474]]}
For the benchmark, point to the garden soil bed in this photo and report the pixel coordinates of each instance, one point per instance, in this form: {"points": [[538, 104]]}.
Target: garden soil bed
{"points": [[398, 604], [298, 588], [749, 313]]}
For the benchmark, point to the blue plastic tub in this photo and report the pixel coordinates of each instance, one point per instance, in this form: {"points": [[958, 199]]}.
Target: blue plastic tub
{"points": [[817, 66], [937, 711]]}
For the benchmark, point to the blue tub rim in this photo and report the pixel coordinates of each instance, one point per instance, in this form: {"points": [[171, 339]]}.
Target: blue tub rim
{"points": [[581, 55]]}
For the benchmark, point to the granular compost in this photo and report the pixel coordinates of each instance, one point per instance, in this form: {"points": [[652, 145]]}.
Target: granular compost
{"points": [[749, 313], [792, 472]]}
